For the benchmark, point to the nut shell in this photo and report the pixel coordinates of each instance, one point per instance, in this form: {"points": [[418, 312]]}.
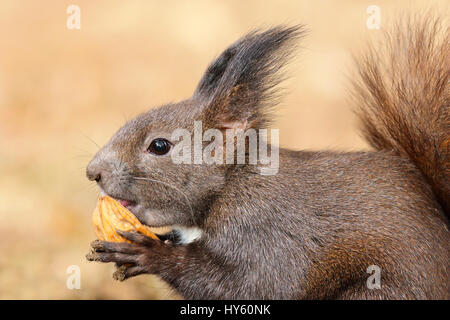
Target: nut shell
{"points": [[110, 215]]}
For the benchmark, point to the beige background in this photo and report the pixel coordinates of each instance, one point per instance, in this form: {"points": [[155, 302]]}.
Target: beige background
{"points": [[62, 90]]}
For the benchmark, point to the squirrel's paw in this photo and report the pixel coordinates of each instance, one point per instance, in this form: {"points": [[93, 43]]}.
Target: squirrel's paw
{"points": [[140, 257]]}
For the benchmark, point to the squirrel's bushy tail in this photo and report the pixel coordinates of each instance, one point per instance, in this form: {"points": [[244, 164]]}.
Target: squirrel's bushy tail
{"points": [[403, 98]]}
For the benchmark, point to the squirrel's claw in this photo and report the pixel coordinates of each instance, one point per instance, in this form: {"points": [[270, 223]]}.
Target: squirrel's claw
{"points": [[124, 272], [131, 259]]}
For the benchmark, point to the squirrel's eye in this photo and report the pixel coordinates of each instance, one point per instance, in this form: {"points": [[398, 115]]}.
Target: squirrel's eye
{"points": [[159, 146]]}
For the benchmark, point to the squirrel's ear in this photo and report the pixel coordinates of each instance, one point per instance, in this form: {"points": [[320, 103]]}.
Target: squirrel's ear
{"points": [[239, 87]]}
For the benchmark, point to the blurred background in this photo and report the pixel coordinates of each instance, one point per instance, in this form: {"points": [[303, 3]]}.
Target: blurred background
{"points": [[64, 91]]}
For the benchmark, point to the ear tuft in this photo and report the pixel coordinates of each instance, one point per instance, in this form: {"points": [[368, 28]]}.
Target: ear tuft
{"points": [[240, 86]]}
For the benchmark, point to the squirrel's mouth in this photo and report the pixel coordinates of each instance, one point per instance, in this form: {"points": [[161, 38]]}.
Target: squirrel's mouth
{"points": [[126, 203], [133, 206], [129, 204]]}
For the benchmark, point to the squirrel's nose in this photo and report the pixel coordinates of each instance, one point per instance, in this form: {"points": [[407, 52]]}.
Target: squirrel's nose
{"points": [[93, 173], [98, 177]]}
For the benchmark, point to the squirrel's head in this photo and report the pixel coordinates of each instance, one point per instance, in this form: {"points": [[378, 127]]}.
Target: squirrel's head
{"points": [[139, 167]]}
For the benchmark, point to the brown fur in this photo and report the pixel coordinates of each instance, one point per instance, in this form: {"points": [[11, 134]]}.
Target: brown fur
{"points": [[404, 99], [312, 230]]}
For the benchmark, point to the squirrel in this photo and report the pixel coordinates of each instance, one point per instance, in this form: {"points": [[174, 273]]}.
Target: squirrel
{"points": [[313, 229]]}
